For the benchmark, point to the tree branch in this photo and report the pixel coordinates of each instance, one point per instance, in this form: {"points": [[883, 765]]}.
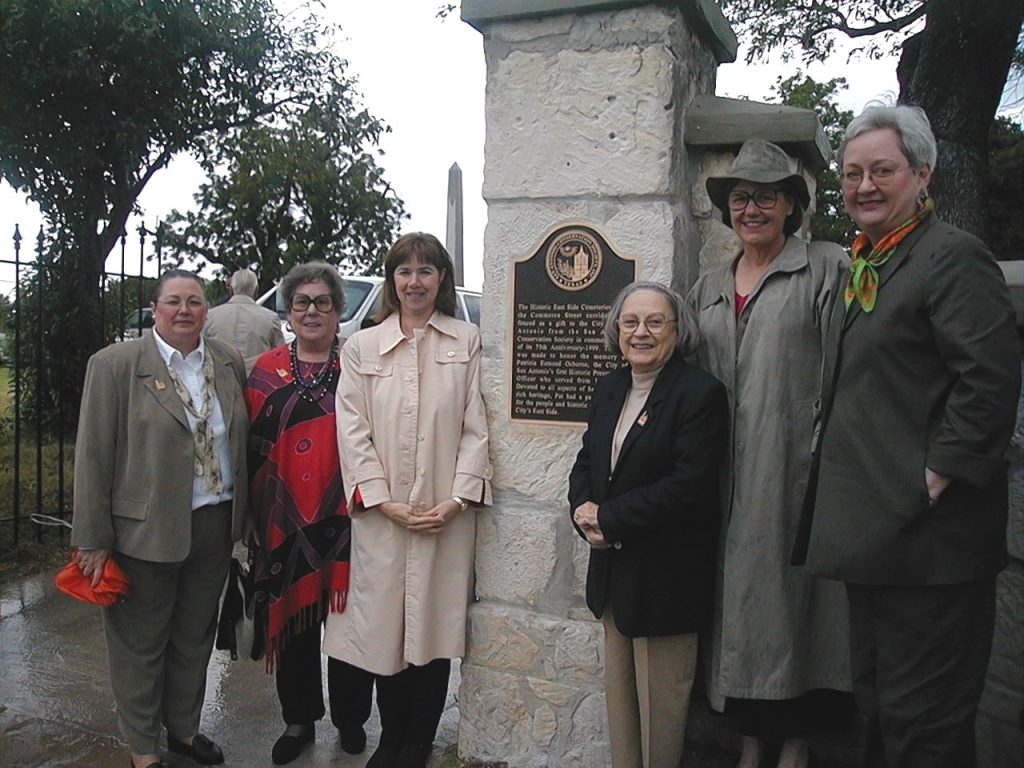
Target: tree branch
{"points": [[843, 25]]}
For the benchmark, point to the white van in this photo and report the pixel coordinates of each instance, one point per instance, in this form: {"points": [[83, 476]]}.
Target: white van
{"points": [[363, 297]]}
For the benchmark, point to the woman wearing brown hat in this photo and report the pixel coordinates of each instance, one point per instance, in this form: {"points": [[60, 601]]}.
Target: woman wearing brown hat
{"points": [[780, 661]]}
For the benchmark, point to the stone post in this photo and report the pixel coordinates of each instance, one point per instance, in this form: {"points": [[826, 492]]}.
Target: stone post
{"points": [[584, 114]]}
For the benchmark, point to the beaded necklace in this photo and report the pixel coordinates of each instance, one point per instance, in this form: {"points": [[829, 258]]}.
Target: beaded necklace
{"points": [[319, 384]]}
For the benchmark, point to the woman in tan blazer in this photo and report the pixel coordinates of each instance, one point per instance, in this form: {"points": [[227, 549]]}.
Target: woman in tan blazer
{"points": [[412, 436], [156, 411]]}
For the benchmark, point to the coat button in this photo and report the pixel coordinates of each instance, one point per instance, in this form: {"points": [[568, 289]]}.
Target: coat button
{"points": [[377, 368], [451, 354]]}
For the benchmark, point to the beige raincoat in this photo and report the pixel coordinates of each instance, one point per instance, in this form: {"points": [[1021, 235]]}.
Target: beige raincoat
{"points": [[411, 428]]}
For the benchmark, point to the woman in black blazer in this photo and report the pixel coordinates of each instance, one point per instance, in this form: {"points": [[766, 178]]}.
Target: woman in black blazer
{"points": [[644, 495]]}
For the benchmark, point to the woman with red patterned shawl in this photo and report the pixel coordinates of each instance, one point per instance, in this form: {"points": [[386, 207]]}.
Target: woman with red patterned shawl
{"points": [[299, 513]]}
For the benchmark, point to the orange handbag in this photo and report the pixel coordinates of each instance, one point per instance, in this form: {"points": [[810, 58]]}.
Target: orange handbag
{"points": [[113, 584]]}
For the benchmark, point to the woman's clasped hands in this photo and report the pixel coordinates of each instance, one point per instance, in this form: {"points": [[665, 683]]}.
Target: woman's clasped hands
{"points": [[417, 520]]}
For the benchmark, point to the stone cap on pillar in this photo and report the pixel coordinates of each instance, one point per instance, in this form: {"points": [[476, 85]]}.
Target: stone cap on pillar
{"points": [[718, 121], [704, 16]]}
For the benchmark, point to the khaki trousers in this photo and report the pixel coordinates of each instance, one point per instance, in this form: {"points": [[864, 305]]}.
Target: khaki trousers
{"points": [[159, 639], [647, 689]]}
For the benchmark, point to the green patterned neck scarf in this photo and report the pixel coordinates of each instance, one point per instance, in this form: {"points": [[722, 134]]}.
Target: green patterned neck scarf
{"points": [[863, 284]]}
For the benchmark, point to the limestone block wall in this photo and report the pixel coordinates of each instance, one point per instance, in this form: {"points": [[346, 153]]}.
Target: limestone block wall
{"points": [[584, 115]]}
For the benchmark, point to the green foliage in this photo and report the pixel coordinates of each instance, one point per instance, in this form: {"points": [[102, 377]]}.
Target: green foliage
{"points": [[1004, 182], [1005, 189], [306, 188], [123, 297], [47, 313], [829, 221], [45, 321], [6, 313], [98, 95]]}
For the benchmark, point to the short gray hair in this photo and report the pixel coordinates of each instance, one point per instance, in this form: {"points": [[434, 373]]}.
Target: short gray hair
{"points": [[244, 283], [917, 141], [310, 273], [687, 332]]}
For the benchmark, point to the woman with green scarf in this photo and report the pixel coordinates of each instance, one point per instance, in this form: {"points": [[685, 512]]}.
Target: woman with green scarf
{"points": [[908, 501]]}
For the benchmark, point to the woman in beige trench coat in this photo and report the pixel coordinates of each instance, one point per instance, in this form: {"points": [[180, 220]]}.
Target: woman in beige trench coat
{"points": [[412, 435], [780, 638]]}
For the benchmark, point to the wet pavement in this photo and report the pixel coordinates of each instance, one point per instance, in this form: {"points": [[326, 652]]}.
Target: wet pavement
{"points": [[56, 708]]}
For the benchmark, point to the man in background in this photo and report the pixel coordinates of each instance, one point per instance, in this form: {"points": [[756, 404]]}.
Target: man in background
{"points": [[243, 323]]}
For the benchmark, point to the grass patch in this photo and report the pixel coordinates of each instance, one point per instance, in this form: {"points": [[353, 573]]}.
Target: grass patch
{"points": [[6, 396], [37, 548]]}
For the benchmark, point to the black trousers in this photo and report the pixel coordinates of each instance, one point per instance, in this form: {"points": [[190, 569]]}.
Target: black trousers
{"points": [[919, 656], [300, 685], [411, 703]]}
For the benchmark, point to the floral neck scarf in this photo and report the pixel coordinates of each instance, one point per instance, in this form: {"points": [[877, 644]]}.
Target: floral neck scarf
{"points": [[863, 283], [207, 461]]}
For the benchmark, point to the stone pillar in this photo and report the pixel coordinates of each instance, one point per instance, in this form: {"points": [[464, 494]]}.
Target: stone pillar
{"points": [[585, 105]]}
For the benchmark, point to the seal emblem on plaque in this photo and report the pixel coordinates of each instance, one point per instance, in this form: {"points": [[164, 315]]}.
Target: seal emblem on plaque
{"points": [[573, 260]]}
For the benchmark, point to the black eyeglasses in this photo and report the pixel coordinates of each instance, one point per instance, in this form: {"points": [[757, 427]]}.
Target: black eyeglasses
{"points": [[765, 199], [323, 302]]}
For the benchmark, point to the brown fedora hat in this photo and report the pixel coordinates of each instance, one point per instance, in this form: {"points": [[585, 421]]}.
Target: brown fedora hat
{"points": [[760, 162]]}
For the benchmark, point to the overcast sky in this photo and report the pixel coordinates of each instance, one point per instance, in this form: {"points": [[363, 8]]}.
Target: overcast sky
{"points": [[425, 78]]}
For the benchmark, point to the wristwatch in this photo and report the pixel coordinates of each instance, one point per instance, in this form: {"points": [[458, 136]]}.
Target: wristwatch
{"points": [[463, 504]]}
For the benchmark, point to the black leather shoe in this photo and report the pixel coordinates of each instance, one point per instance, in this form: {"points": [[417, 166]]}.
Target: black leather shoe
{"points": [[385, 756], [288, 747], [352, 738], [201, 750], [413, 756]]}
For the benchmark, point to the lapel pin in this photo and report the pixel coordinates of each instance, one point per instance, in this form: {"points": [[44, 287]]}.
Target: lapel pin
{"points": [[643, 419], [159, 385]]}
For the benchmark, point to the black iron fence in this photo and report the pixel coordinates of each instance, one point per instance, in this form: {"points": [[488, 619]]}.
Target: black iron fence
{"points": [[36, 418]]}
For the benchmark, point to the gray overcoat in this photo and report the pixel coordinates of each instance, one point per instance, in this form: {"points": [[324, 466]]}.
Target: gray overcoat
{"points": [[777, 632]]}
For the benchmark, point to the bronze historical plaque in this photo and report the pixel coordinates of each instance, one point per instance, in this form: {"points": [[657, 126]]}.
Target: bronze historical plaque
{"points": [[560, 296]]}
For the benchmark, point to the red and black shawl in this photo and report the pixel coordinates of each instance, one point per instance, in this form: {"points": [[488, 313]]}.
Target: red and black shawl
{"points": [[297, 503]]}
